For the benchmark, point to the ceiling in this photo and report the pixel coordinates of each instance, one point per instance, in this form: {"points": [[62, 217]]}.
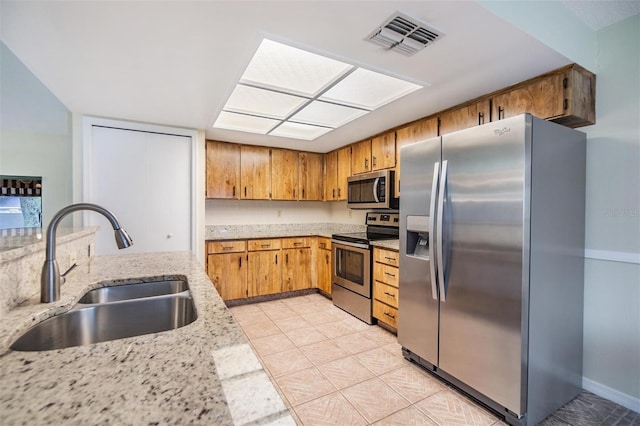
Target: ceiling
{"points": [[175, 63]]}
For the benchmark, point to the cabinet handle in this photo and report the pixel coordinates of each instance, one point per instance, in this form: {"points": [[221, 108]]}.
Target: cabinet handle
{"points": [[276, 259], [245, 191], [302, 192], [390, 295], [366, 163], [480, 118], [390, 258], [389, 275], [565, 104], [327, 258], [234, 190], [334, 193], [240, 261], [227, 247], [374, 161], [294, 193], [500, 113], [389, 315], [286, 258], [339, 192], [297, 243]]}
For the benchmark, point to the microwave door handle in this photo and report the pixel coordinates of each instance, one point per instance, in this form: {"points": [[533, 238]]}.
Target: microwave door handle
{"points": [[376, 181], [442, 279], [432, 230]]}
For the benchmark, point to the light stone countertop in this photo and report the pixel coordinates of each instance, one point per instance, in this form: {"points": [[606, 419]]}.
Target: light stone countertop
{"points": [[202, 373], [388, 244]]}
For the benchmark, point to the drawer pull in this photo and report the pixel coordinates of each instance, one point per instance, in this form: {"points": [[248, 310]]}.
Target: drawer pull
{"points": [[390, 295], [227, 247], [390, 258], [389, 275], [265, 245], [323, 245], [297, 243], [389, 315]]}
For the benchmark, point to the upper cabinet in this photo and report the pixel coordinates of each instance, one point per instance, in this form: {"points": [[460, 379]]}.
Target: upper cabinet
{"points": [[223, 170], [566, 96], [344, 171], [383, 151], [361, 157], [311, 176], [255, 173], [465, 116], [331, 176], [417, 131], [284, 174]]}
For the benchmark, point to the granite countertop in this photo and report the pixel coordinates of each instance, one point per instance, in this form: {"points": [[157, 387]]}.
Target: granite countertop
{"points": [[202, 373], [247, 232], [388, 244], [15, 243]]}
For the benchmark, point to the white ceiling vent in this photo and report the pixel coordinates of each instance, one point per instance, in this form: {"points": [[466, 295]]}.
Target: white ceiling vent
{"points": [[404, 34]]}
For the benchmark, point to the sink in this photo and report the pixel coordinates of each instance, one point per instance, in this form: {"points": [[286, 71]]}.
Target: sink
{"points": [[134, 291], [86, 324]]}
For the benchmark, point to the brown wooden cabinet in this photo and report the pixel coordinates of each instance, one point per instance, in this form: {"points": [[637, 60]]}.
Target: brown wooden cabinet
{"points": [[465, 116], [323, 265], [566, 96], [296, 266], [223, 170], [383, 151], [414, 132], [361, 157], [344, 171], [331, 176], [311, 166], [255, 172], [386, 286], [264, 261], [226, 267], [284, 174]]}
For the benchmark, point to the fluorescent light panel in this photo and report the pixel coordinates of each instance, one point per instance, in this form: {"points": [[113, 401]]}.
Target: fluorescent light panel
{"points": [[289, 92]]}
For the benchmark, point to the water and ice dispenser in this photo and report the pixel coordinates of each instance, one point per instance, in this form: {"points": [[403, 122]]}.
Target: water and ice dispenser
{"points": [[418, 229]]}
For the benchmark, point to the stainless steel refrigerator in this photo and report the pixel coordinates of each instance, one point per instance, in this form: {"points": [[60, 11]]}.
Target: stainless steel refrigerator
{"points": [[492, 262]]}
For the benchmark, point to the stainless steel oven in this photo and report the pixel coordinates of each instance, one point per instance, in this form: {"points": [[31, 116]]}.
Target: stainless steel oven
{"points": [[352, 259]]}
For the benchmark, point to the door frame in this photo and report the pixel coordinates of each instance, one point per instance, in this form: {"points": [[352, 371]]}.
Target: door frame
{"points": [[82, 157]]}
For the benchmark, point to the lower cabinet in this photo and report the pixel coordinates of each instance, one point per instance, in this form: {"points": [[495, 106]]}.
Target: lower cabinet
{"points": [[264, 267], [323, 265], [296, 269], [385, 286], [226, 266]]}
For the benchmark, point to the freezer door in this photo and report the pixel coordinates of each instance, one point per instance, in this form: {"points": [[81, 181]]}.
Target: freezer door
{"points": [[418, 323], [484, 227]]}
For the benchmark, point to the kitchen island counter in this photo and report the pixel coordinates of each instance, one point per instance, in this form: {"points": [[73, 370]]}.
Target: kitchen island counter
{"points": [[202, 373]]}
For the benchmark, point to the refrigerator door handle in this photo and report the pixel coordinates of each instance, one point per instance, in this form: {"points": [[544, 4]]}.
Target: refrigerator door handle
{"points": [[442, 284], [432, 230]]}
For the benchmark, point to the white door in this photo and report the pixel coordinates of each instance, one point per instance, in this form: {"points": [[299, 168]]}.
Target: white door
{"points": [[145, 180]]}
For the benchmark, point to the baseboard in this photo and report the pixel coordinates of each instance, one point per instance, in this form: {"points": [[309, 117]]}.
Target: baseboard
{"points": [[611, 394]]}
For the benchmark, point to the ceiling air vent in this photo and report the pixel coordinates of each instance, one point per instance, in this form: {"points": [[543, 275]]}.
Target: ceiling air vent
{"points": [[404, 34]]}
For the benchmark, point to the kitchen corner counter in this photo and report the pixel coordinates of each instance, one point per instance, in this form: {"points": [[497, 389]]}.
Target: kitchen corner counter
{"points": [[387, 244], [203, 373]]}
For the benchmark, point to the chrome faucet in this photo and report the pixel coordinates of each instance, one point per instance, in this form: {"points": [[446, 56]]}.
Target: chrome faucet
{"points": [[50, 280]]}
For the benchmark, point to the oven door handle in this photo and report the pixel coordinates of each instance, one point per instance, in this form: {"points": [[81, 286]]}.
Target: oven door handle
{"points": [[350, 244]]}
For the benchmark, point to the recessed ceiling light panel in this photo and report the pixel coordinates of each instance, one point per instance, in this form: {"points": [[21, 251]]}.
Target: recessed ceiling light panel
{"points": [[368, 89], [327, 114], [251, 100], [245, 123], [293, 70], [299, 131]]}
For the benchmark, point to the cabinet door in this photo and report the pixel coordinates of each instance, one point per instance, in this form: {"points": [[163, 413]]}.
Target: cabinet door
{"points": [[323, 270], [263, 276], [543, 98], [223, 170], [361, 157], [284, 174], [464, 117], [344, 171], [311, 167], [229, 274], [296, 269], [418, 131], [383, 151], [331, 176], [255, 173]]}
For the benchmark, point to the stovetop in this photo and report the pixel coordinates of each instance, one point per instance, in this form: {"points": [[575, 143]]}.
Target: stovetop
{"points": [[380, 226]]}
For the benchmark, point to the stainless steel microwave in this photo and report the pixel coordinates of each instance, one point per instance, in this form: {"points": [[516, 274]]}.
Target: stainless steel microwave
{"points": [[373, 190]]}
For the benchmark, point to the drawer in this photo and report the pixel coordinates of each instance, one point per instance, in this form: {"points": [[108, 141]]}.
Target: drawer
{"points": [[269, 244], [388, 257], [385, 313], [324, 243], [386, 274], [385, 293], [299, 242], [226, 246]]}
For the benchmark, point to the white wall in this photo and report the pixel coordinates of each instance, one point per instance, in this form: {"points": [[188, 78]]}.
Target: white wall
{"points": [[35, 133], [612, 264]]}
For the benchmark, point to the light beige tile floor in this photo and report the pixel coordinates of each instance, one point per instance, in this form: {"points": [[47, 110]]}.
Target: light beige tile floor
{"points": [[332, 368]]}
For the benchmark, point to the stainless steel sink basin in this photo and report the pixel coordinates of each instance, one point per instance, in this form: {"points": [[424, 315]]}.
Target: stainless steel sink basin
{"points": [[134, 291], [86, 324]]}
